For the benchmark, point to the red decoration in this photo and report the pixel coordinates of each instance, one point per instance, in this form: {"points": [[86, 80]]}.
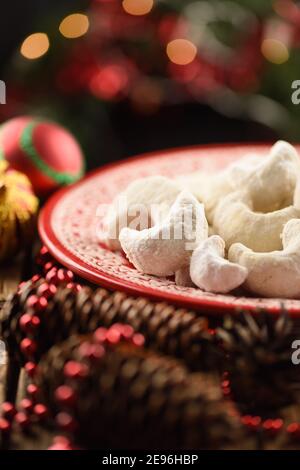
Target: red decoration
{"points": [[26, 405], [65, 395], [4, 425], [22, 419], [8, 410], [75, 370], [293, 430], [32, 390], [46, 152], [272, 426], [28, 346], [40, 410], [62, 443], [30, 368], [66, 421]]}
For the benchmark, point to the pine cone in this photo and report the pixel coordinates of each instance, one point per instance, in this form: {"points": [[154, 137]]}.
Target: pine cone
{"points": [[262, 376], [62, 312], [110, 393]]}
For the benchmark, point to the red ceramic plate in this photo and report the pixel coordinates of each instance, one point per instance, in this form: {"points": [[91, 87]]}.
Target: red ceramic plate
{"points": [[68, 222]]}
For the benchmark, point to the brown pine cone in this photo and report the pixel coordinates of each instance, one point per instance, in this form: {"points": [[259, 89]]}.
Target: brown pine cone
{"points": [[108, 393], [62, 312], [259, 350]]}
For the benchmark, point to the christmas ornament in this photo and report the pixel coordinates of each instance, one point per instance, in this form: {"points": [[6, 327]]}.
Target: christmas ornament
{"points": [[106, 391], [18, 208], [261, 375], [48, 310], [46, 152]]}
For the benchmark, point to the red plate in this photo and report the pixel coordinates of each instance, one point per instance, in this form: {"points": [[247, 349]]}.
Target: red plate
{"points": [[67, 226]]}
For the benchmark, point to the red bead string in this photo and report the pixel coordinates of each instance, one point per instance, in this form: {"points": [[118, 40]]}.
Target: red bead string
{"points": [[31, 411], [89, 352], [270, 427]]}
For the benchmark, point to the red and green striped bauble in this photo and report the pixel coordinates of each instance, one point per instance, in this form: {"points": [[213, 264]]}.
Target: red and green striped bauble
{"points": [[46, 152]]}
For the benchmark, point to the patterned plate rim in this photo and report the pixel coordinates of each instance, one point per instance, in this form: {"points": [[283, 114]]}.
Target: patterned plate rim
{"points": [[210, 305]]}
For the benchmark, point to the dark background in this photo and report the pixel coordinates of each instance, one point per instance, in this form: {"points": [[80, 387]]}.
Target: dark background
{"points": [[113, 129]]}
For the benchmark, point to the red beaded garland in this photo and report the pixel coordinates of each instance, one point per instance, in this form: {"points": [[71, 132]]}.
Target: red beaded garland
{"points": [[293, 430], [75, 370], [47, 290], [42, 304], [272, 426], [252, 422], [26, 404], [61, 443], [32, 301], [49, 265], [32, 390], [90, 351], [30, 368], [29, 323], [59, 446], [66, 422], [113, 336], [127, 331], [64, 275], [5, 425], [62, 440], [65, 395], [8, 410], [138, 339], [28, 346], [100, 334], [51, 276], [22, 419], [25, 321], [40, 410], [44, 251], [74, 287]]}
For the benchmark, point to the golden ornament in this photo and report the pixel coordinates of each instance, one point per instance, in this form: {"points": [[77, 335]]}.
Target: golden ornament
{"points": [[18, 209]]}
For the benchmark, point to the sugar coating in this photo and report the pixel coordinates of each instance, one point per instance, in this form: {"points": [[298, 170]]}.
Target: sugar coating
{"points": [[253, 208], [141, 194], [210, 271], [256, 214], [165, 248], [274, 274]]}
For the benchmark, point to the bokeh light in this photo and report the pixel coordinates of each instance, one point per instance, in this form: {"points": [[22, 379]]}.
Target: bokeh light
{"points": [[109, 82], [181, 51], [275, 51], [35, 46], [137, 7], [147, 96], [74, 26]]}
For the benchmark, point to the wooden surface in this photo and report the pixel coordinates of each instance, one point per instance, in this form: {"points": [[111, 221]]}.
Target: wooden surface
{"points": [[10, 277]]}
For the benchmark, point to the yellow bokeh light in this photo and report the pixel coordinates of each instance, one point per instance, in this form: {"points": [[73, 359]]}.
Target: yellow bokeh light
{"points": [[275, 51], [181, 51], [35, 46], [75, 25], [138, 7]]}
